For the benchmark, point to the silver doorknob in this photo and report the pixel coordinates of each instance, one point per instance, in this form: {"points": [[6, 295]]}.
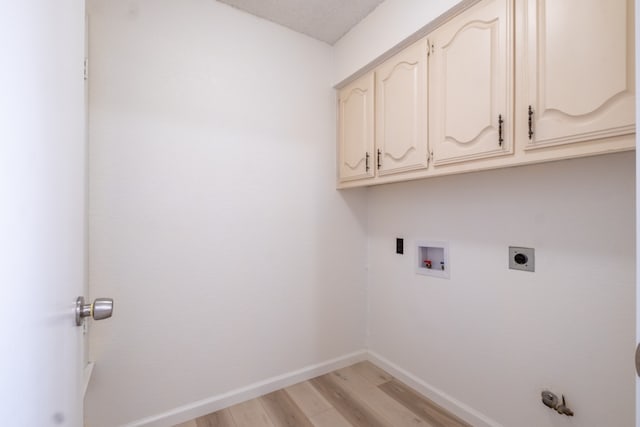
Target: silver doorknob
{"points": [[102, 308]]}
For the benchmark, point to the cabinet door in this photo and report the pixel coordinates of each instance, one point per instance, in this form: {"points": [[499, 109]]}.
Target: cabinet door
{"points": [[471, 84], [579, 70], [401, 111], [355, 130]]}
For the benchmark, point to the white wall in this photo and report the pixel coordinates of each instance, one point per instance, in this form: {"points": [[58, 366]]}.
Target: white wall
{"points": [[214, 221], [215, 225], [490, 337], [494, 338], [389, 24]]}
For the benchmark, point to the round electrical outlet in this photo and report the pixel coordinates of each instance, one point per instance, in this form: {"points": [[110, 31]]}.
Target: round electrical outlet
{"points": [[520, 259]]}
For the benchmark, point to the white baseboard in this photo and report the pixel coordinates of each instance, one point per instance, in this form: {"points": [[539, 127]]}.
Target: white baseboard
{"points": [[215, 403], [454, 406]]}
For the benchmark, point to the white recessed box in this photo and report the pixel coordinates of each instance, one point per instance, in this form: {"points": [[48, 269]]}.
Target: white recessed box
{"points": [[432, 259]]}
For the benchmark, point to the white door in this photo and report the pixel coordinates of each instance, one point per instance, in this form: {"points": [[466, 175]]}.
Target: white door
{"points": [[637, 49], [42, 211]]}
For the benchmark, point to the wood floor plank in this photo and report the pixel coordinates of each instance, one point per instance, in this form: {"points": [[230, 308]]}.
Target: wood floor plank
{"points": [[424, 408], [250, 414], [384, 405], [330, 418], [283, 411], [361, 395], [349, 406], [221, 418], [308, 399], [372, 373], [350, 378]]}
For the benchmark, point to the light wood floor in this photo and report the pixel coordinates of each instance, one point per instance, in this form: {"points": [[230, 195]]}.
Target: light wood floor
{"points": [[361, 395]]}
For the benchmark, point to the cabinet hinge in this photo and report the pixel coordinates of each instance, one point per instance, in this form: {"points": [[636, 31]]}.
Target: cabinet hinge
{"points": [[85, 71]]}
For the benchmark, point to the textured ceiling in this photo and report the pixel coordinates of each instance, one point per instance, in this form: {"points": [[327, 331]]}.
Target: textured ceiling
{"points": [[325, 20]]}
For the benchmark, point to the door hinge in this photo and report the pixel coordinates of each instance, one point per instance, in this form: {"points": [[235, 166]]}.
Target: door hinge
{"points": [[85, 71]]}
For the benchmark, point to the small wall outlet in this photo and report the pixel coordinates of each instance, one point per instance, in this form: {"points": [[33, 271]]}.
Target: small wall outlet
{"points": [[522, 258]]}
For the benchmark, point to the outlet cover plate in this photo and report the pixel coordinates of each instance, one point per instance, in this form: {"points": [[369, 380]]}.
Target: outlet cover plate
{"points": [[522, 258]]}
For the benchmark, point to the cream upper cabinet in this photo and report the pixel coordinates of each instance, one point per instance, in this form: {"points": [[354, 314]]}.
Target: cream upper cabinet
{"points": [[497, 83], [355, 130], [471, 85], [401, 111], [578, 69]]}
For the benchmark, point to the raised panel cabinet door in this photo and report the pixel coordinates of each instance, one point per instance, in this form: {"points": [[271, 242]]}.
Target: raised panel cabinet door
{"points": [[471, 84], [401, 111], [355, 130], [579, 71]]}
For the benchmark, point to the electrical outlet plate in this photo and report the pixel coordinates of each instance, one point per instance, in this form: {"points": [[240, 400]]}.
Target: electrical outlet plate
{"points": [[522, 258]]}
